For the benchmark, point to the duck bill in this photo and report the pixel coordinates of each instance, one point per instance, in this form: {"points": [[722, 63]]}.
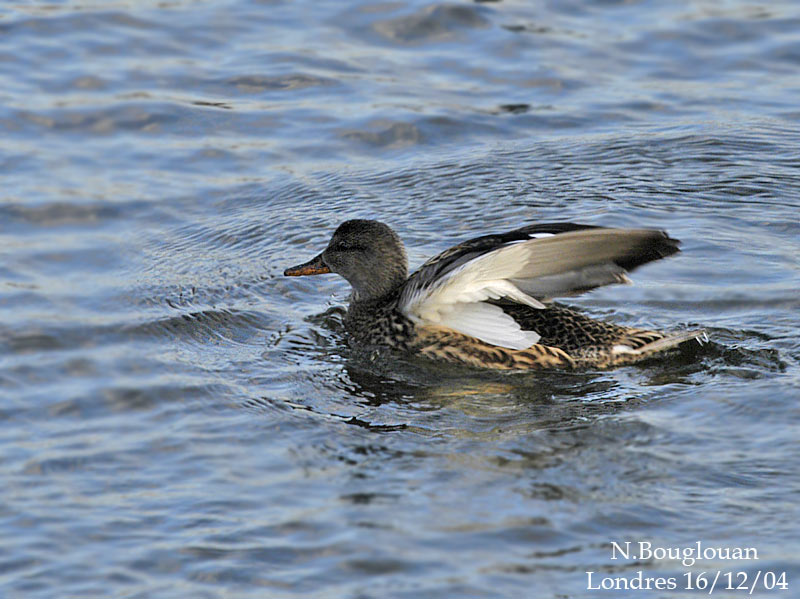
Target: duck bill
{"points": [[315, 266]]}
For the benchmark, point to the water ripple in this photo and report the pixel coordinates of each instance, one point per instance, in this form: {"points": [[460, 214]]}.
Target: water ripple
{"points": [[179, 419]]}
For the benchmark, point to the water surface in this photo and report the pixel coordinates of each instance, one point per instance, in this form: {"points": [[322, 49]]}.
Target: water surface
{"points": [[179, 420]]}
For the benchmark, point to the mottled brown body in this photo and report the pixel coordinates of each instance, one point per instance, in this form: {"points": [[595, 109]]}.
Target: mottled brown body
{"points": [[379, 322], [569, 339], [445, 344]]}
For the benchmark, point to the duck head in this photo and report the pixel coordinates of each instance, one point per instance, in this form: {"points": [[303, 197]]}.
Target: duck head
{"points": [[365, 252]]}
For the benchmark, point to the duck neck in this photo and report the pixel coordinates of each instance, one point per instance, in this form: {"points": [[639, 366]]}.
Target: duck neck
{"points": [[377, 285]]}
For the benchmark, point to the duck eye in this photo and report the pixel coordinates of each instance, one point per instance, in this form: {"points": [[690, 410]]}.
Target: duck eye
{"points": [[345, 246]]}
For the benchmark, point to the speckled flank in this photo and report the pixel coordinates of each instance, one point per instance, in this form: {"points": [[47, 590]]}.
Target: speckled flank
{"points": [[626, 347], [445, 344], [569, 339], [594, 343]]}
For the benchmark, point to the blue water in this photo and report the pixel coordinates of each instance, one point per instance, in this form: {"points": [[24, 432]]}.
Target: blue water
{"points": [[179, 420]]}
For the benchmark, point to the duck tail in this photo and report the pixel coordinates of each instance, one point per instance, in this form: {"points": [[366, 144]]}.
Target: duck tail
{"points": [[623, 353]]}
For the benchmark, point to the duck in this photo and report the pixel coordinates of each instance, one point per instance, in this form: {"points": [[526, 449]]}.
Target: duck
{"points": [[489, 302]]}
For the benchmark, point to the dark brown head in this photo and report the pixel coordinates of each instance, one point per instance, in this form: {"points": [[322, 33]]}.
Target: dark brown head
{"points": [[365, 252]]}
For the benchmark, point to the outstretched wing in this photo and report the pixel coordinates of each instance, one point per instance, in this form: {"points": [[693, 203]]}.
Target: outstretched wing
{"points": [[530, 266]]}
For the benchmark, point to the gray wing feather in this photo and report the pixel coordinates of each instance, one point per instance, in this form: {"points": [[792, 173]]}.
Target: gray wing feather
{"points": [[525, 271]]}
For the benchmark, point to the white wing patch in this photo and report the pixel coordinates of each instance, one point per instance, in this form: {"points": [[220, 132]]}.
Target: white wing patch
{"points": [[427, 304], [488, 323], [544, 266], [457, 301]]}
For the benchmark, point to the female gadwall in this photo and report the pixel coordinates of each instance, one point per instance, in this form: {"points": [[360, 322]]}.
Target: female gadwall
{"points": [[487, 302]]}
